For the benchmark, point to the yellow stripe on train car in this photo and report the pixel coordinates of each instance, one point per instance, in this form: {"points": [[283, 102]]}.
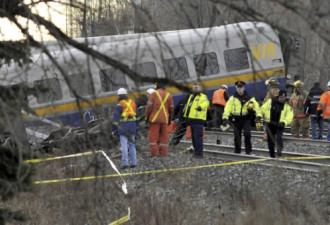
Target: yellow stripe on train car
{"points": [[113, 99]]}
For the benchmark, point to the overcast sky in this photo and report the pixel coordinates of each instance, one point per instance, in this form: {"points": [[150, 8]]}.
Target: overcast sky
{"points": [[55, 12]]}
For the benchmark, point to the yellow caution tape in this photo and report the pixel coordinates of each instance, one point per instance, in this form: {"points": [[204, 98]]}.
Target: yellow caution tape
{"points": [[62, 157], [122, 220], [147, 172], [153, 171]]}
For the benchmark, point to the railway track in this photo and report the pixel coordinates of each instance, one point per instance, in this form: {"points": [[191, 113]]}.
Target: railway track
{"points": [[215, 134], [306, 162]]}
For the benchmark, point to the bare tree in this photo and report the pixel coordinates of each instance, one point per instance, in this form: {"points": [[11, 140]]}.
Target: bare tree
{"points": [[308, 19]]}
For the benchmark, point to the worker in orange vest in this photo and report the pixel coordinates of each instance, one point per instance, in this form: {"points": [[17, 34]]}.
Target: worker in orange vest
{"points": [[125, 121], [159, 114], [219, 99], [324, 108]]}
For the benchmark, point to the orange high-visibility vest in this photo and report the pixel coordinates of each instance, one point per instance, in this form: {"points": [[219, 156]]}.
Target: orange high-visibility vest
{"points": [[219, 97], [160, 107], [129, 108], [324, 105]]}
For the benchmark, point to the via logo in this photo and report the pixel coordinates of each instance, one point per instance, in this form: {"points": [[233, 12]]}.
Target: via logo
{"points": [[263, 51]]}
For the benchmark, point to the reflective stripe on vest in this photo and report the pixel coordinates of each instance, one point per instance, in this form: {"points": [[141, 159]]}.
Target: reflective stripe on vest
{"points": [[128, 110], [219, 97], [162, 107]]}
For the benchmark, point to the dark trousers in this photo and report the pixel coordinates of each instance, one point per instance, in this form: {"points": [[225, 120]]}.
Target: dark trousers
{"points": [[217, 115], [197, 138], [179, 133], [274, 133], [245, 125]]}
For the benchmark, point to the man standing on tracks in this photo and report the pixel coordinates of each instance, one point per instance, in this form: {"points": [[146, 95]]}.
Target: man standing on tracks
{"points": [[180, 120], [125, 125], [219, 99], [159, 113], [277, 115], [300, 118], [311, 104], [324, 108], [195, 114], [240, 105]]}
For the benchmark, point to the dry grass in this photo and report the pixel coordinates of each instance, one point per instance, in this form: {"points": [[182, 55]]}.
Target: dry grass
{"points": [[189, 197]]}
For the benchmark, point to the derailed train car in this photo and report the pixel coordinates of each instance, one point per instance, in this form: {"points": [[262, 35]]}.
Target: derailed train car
{"points": [[249, 51]]}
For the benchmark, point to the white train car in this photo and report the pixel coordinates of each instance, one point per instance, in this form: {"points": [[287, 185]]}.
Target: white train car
{"points": [[213, 56]]}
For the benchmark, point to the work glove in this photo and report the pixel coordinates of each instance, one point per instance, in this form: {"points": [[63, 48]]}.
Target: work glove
{"points": [[199, 108], [114, 134], [250, 106], [319, 114], [281, 125], [258, 125], [225, 122]]}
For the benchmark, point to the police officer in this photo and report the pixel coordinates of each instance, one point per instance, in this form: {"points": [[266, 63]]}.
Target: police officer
{"points": [[195, 114], [300, 118], [277, 115], [125, 125], [239, 106], [219, 99]]}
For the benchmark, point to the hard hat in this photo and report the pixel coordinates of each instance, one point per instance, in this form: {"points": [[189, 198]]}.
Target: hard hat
{"points": [[329, 84], [150, 90], [224, 86], [122, 91], [298, 83], [273, 82]]}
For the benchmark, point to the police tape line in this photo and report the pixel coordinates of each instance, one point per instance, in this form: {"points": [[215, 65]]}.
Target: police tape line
{"points": [[124, 186], [123, 219], [170, 170], [147, 172], [63, 157]]}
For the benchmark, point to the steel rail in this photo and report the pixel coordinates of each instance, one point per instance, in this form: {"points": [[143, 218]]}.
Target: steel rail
{"points": [[287, 132], [214, 135], [288, 160]]}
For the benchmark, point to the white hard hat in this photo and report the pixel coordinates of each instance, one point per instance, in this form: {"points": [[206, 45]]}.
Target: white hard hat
{"points": [[122, 91], [329, 84], [150, 90], [224, 86]]}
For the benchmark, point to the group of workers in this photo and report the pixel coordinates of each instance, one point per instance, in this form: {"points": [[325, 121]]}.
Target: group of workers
{"points": [[241, 110]]}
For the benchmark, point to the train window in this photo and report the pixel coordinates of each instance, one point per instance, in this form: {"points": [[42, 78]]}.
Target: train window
{"points": [[145, 70], [176, 68], [81, 83], [48, 90], [206, 64], [112, 79], [236, 59]]}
